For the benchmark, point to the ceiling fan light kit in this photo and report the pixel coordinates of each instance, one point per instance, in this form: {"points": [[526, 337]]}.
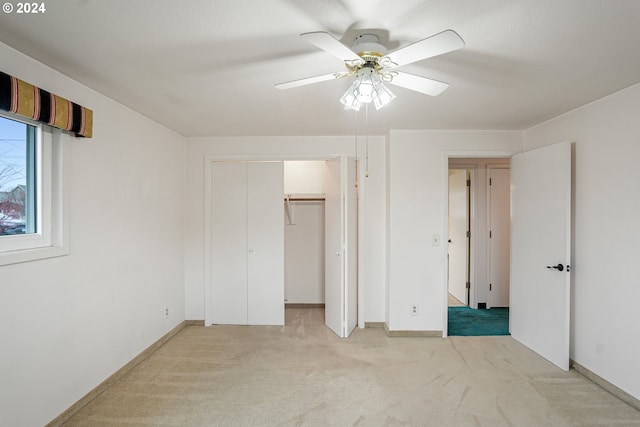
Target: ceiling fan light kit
{"points": [[367, 87], [372, 66]]}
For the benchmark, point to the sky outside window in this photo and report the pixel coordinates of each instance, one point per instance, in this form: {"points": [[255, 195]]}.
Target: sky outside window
{"points": [[12, 154], [17, 202]]}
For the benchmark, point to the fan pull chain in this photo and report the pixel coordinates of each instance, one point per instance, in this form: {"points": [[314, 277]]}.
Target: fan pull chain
{"points": [[355, 114], [366, 157]]}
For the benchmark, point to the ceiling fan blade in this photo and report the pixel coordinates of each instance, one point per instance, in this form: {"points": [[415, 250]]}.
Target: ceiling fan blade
{"points": [[446, 41], [419, 84], [310, 80], [330, 44]]}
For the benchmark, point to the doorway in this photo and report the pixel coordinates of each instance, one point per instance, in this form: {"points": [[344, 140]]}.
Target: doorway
{"points": [[478, 244], [304, 234], [541, 213], [321, 236], [304, 251]]}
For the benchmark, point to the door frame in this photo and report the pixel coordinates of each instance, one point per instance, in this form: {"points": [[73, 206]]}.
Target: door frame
{"points": [[208, 244], [491, 166], [474, 226], [471, 249]]}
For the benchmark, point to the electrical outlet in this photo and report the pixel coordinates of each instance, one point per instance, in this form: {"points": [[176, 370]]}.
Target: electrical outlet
{"points": [[166, 312], [414, 310]]}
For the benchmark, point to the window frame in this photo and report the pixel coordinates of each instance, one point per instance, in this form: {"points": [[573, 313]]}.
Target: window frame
{"points": [[51, 234]]}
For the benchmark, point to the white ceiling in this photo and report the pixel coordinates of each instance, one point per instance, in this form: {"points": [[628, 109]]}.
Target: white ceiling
{"points": [[207, 68]]}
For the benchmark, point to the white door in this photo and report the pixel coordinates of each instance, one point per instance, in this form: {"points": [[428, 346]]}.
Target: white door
{"points": [[499, 232], [541, 238], [351, 242], [265, 243], [333, 276], [247, 251], [340, 246], [229, 243], [458, 240]]}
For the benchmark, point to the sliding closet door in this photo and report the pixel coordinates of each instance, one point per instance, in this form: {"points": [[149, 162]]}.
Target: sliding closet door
{"points": [[229, 243], [265, 243]]}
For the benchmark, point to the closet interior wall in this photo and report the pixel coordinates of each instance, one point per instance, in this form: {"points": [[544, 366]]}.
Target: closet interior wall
{"points": [[304, 232]]}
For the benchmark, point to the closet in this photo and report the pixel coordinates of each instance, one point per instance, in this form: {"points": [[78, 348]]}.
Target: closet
{"points": [[332, 260], [246, 241], [247, 257], [304, 233]]}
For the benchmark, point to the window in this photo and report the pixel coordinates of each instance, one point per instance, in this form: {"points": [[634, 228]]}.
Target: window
{"points": [[17, 178], [31, 220]]}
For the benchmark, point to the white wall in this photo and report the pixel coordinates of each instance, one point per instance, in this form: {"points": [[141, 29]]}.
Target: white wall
{"points": [[606, 284], [372, 232], [68, 323], [417, 187], [304, 177], [288, 148], [304, 253]]}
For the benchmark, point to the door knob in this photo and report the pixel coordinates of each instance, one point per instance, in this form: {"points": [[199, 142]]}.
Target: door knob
{"points": [[558, 267]]}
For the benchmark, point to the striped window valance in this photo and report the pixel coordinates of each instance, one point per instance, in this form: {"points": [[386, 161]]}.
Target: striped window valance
{"points": [[24, 99]]}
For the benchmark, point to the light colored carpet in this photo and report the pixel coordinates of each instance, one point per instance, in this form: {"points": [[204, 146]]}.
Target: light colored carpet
{"points": [[303, 375], [454, 302]]}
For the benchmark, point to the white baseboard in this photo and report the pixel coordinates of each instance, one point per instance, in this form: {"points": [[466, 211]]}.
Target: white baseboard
{"points": [[104, 385], [418, 333], [617, 392]]}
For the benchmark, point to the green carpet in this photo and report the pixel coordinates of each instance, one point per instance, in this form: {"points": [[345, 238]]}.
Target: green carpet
{"points": [[465, 321]]}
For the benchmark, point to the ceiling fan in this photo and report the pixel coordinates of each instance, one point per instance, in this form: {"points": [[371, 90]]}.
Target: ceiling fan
{"points": [[369, 61]]}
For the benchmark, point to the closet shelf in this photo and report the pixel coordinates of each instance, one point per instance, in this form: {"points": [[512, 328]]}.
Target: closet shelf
{"points": [[304, 197]]}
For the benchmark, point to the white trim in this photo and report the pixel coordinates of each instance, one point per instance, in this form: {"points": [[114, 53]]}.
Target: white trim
{"points": [[490, 166], [208, 244], [360, 195], [208, 161], [473, 300]]}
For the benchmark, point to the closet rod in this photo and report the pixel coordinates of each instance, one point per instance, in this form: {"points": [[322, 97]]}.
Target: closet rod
{"points": [[300, 199]]}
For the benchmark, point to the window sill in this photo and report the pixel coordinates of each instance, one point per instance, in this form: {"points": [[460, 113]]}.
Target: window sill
{"points": [[27, 255]]}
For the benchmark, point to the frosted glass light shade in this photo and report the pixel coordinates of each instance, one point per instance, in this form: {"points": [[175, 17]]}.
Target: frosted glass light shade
{"points": [[365, 92], [349, 99], [366, 88], [384, 95]]}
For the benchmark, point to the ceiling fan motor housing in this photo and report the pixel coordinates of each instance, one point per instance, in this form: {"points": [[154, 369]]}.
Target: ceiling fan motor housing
{"points": [[368, 47], [367, 69]]}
